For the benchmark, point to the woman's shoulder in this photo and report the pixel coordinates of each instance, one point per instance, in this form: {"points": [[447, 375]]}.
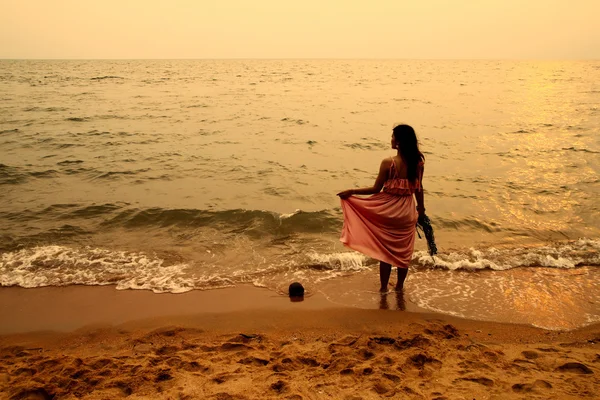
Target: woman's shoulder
{"points": [[388, 161]]}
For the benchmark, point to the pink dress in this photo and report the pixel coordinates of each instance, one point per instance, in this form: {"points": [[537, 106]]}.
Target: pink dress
{"points": [[382, 226]]}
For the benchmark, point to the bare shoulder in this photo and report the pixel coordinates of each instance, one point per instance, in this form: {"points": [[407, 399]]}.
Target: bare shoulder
{"points": [[386, 162]]}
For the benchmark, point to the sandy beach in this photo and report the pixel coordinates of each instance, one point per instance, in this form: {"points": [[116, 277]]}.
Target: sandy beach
{"points": [[153, 211], [253, 345]]}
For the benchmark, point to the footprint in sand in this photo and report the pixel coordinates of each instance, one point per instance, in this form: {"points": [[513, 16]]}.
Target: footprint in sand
{"points": [[308, 361], [575, 368], [286, 364], [279, 387], [166, 350], [420, 360], [392, 377], [531, 387], [235, 346], [480, 380], [474, 365], [253, 361], [39, 393], [25, 371], [530, 354], [382, 388], [163, 375], [367, 371]]}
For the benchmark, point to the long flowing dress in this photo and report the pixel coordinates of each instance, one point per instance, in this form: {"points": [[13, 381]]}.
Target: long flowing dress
{"points": [[383, 226]]}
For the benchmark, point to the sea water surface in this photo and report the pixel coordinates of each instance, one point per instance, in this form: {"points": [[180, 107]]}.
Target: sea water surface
{"points": [[178, 175]]}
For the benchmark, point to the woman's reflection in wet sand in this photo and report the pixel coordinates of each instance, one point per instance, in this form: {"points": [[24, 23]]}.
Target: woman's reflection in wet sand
{"points": [[400, 302]]}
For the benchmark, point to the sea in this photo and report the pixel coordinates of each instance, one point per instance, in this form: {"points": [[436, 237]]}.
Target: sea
{"points": [[180, 175]]}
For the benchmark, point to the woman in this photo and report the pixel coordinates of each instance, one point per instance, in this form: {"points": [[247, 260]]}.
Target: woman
{"points": [[383, 226]]}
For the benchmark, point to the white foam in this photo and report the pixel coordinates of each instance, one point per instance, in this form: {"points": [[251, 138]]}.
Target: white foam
{"points": [[344, 261], [62, 266], [285, 216], [564, 255], [339, 264]]}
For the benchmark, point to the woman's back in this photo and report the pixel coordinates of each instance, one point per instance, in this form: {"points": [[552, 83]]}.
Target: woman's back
{"points": [[398, 183]]}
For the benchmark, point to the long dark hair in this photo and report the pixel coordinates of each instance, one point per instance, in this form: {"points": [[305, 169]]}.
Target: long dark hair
{"points": [[407, 143]]}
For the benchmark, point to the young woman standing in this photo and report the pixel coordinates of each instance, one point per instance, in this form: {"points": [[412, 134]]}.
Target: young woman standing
{"points": [[383, 226]]}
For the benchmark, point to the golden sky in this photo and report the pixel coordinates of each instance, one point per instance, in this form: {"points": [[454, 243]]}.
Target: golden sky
{"points": [[430, 29]]}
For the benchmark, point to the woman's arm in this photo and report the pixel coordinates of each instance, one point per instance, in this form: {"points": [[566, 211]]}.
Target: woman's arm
{"points": [[376, 188], [420, 202], [419, 194]]}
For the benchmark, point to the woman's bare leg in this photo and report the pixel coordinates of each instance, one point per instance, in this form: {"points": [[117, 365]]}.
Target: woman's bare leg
{"points": [[385, 270], [402, 272]]}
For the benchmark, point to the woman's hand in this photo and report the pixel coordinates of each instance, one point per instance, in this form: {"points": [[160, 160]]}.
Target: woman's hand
{"points": [[345, 194]]}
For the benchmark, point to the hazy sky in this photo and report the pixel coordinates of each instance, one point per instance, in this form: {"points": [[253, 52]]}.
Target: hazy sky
{"points": [[530, 29]]}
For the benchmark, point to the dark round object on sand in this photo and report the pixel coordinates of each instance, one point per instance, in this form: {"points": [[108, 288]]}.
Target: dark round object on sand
{"points": [[296, 289]]}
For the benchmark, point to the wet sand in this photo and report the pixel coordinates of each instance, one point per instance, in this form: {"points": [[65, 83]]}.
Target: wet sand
{"points": [[246, 343], [73, 307]]}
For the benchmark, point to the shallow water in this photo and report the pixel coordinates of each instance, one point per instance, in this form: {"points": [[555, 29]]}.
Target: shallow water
{"points": [[181, 175], [543, 297]]}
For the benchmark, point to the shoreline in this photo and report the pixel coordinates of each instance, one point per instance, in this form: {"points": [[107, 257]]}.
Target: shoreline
{"points": [[69, 308], [561, 299], [248, 343]]}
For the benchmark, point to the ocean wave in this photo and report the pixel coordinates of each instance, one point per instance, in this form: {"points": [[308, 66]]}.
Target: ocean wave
{"points": [[367, 146], [582, 150], [250, 222], [570, 254], [470, 223], [100, 78], [11, 175], [51, 173], [253, 223], [118, 174], [69, 162], [344, 261], [297, 121], [62, 266], [56, 265], [111, 116], [18, 175], [46, 109]]}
